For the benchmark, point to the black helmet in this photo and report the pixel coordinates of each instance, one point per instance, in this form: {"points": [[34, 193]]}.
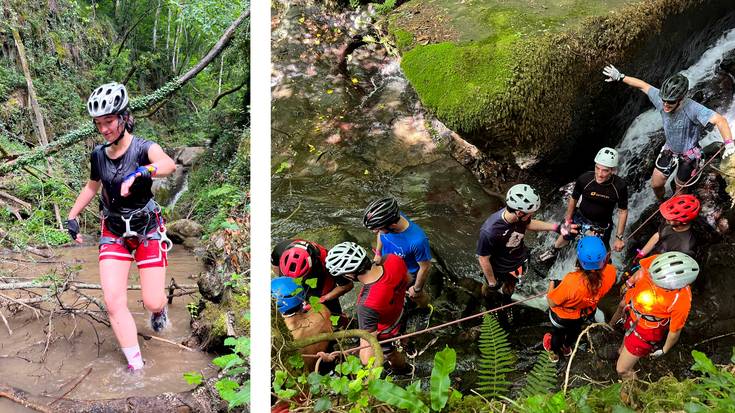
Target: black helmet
{"points": [[675, 87], [381, 213]]}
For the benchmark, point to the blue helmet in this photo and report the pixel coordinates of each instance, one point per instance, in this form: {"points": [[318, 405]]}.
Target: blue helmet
{"points": [[591, 253], [289, 295]]}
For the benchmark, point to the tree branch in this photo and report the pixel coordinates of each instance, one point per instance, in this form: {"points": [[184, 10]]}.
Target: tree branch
{"points": [[223, 94], [136, 104]]}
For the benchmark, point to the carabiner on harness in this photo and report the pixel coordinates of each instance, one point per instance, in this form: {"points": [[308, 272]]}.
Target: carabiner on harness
{"points": [[164, 243]]}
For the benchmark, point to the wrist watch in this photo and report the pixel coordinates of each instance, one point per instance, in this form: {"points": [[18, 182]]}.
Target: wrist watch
{"points": [[620, 237]]}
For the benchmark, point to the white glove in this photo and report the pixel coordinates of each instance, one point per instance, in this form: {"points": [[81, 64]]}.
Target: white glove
{"points": [[729, 148], [612, 74], [658, 353]]}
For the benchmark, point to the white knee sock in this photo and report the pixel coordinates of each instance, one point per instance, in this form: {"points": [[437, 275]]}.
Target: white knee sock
{"points": [[133, 356]]}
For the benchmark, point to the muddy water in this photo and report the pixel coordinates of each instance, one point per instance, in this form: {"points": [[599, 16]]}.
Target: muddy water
{"points": [[77, 346]]}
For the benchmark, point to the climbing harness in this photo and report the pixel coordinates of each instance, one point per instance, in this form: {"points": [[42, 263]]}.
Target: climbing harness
{"points": [[696, 176], [160, 234]]}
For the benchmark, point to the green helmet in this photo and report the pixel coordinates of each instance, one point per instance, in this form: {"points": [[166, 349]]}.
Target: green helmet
{"points": [[673, 270], [674, 87]]}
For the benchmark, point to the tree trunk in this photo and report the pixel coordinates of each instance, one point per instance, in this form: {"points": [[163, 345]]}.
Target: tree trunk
{"points": [[155, 24], [221, 68], [37, 120], [168, 27]]}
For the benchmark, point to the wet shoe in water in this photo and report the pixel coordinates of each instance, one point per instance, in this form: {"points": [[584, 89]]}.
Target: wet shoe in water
{"points": [[547, 346], [159, 320]]}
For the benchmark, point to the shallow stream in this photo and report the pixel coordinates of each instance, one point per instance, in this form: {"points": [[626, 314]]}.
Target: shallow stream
{"points": [[88, 351]]}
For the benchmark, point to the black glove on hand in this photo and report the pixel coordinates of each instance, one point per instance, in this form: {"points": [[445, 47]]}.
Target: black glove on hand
{"points": [[72, 225]]}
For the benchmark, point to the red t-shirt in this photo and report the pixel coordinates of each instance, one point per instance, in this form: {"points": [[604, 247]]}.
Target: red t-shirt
{"points": [[380, 303]]}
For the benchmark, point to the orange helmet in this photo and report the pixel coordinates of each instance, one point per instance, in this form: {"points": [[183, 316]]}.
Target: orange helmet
{"points": [[681, 208]]}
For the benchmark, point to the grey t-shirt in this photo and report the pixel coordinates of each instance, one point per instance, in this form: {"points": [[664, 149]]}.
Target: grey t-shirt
{"points": [[680, 126]]}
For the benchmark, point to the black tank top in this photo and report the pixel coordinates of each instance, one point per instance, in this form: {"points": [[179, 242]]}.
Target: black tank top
{"points": [[112, 172]]}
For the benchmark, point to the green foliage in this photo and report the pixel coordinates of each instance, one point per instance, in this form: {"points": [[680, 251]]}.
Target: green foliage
{"points": [[716, 389], [445, 362], [193, 309], [495, 360], [193, 378], [542, 378], [361, 385], [9, 80], [234, 386]]}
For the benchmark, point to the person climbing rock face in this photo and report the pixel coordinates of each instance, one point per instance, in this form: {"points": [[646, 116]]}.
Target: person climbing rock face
{"points": [[297, 258], [381, 299], [132, 225], [656, 305], [396, 234], [501, 252], [682, 118], [675, 233], [595, 196], [575, 299]]}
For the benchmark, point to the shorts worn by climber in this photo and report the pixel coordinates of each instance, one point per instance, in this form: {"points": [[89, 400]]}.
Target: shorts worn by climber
{"points": [[656, 305], [132, 228], [574, 300], [298, 258], [397, 234], [682, 118], [290, 299], [595, 196], [675, 234], [380, 301], [501, 251]]}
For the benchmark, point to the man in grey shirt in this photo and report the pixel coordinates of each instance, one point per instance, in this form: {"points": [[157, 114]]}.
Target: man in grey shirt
{"points": [[682, 118]]}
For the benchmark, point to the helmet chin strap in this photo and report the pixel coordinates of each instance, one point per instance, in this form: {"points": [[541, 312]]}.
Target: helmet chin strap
{"points": [[122, 133]]}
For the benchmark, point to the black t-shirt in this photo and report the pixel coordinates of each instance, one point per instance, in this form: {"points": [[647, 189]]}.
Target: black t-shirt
{"points": [[670, 240], [503, 242], [326, 282], [599, 200], [112, 172]]}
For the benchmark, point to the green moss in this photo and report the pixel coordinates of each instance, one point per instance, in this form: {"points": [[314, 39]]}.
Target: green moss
{"points": [[456, 82], [404, 39]]}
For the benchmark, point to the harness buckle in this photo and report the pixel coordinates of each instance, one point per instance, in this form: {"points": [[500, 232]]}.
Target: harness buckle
{"points": [[128, 231]]}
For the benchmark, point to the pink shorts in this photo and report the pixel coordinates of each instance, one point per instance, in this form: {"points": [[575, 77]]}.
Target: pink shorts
{"points": [[129, 249], [642, 347]]}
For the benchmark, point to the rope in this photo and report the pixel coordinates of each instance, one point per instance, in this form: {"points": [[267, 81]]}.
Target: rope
{"points": [[687, 183], [437, 327]]}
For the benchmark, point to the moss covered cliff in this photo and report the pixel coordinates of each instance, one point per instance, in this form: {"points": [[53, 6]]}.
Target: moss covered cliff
{"points": [[521, 74]]}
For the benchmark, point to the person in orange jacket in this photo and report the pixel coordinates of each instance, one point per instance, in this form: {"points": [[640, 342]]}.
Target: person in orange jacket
{"points": [[657, 303], [576, 297]]}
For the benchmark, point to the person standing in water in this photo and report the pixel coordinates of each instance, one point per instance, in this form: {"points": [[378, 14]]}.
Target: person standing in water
{"points": [[132, 225], [682, 118]]}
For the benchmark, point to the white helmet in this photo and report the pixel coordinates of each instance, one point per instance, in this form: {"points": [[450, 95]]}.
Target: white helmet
{"points": [[108, 99], [607, 157], [523, 198], [673, 270], [347, 258]]}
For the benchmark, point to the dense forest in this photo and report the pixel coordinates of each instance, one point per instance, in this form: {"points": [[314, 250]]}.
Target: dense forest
{"points": [[186, 67]]}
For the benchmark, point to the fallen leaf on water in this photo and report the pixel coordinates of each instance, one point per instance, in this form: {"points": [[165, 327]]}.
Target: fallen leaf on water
{"points": [[330, 91], [311, 148], [354, 80], [366, 172]]}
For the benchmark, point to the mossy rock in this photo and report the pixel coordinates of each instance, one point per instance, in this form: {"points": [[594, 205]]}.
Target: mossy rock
{"points": [[327, 236], [520, 74]]}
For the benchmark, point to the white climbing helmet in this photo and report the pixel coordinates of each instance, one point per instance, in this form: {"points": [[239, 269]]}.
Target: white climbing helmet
{"points": [[523, 198], [607, 157], [673, 270], [347, 258], [108, 99]]}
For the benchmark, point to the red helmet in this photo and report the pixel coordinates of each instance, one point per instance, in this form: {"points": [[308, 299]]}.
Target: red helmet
{"points": [[295, 261], [681, 208]]}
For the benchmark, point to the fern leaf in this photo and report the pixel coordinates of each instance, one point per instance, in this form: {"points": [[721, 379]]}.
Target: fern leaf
{"points": [[542, 378], [495, 361]]}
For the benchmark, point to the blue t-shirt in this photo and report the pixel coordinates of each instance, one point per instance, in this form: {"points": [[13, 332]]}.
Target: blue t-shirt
{"points": [[412, 245], [680, 126]]}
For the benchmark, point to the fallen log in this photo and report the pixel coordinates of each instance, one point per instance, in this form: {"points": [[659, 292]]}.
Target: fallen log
{"points": [[78, 285]]}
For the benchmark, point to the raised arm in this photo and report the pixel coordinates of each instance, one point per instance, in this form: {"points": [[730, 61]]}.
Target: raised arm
{"points": [[614, 75]]}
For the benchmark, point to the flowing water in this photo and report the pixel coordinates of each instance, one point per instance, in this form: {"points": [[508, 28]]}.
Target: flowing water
{"points": [[637, 148], [78, 346], [342, 139]]}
